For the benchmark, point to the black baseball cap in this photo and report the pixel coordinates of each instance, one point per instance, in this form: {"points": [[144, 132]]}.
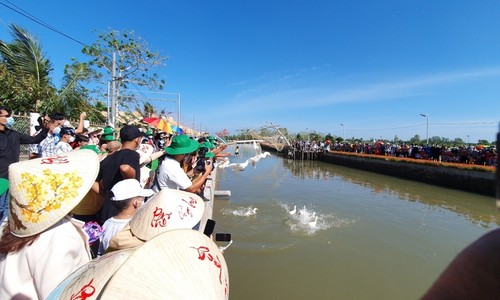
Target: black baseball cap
{"points": [[130, 132], [67, 130]]}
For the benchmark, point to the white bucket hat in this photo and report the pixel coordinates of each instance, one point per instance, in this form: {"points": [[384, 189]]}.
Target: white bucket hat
{"points": [[167, 210], [178, 264], [129, 188], [44, 190], [88, 281]]}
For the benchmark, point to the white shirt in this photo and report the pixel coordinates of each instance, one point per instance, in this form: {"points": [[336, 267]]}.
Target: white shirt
{"points": [[47, 147], [63, 147], [37, 269], [172, 176], [110, 228]]}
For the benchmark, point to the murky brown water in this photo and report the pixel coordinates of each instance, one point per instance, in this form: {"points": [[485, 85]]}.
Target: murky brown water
{"points": [[376, 237]]}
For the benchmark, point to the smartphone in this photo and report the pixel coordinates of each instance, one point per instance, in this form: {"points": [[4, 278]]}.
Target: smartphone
{"points": [[222, 237], [209, 227]]}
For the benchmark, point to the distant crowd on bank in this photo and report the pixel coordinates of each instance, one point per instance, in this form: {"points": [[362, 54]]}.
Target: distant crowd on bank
{"points": [[86, 193], [464, 154]]}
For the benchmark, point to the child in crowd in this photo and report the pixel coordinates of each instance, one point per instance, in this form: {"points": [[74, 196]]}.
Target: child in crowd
{"points": [[128, 196]]}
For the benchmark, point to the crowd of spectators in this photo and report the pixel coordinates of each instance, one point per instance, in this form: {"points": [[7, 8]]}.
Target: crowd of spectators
{"points": [[464, 154], [87, 197]]}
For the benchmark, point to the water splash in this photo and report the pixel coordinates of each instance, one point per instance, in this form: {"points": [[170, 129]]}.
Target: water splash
{"points": [[307, 221], [240, 211]]}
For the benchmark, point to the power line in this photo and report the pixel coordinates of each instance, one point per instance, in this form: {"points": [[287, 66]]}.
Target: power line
{"points": [[418, 125], [26, 14]]}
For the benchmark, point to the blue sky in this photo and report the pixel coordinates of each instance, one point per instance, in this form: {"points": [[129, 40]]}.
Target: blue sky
{"points": [[373, 66]]}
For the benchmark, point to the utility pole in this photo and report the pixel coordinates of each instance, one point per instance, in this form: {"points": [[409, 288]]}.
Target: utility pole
{"points": [[426, 116], [112, 118], [179, 110]]}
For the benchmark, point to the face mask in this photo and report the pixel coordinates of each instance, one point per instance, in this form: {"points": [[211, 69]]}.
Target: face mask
{"points": [[56, 130], [71, 139], [10, 122]]}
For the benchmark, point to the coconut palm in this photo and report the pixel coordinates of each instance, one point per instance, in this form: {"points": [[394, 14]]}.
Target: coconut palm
{"points": [[27, 72], [74, 97]]}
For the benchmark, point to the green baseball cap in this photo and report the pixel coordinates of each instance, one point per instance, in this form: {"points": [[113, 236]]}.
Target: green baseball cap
{"points": [[182, 144], [108, 130], [108, 137], [90, 147], [207, 145]]}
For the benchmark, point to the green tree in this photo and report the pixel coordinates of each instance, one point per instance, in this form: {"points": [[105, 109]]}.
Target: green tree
{"points": [[415, 139], [134, 64], [148, 109], [265, 132], [74, 97], [25, 72]]}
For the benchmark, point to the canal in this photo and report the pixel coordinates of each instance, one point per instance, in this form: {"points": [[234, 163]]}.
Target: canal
{"points": [[355, 234]]}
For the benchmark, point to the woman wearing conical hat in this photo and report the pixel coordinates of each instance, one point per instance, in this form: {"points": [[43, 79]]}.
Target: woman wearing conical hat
{"points": [[41, 244]]}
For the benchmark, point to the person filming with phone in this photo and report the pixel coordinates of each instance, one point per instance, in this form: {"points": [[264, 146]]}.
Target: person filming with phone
{"points": [[181, 155]]}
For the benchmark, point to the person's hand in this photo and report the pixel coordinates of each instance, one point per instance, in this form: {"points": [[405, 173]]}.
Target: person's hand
{"points": [[208, 166], [83, 115]]}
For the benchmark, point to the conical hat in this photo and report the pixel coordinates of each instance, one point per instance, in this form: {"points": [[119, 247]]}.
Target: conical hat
{"points": [[44, 190], [178, 264], [88, 281], [145, 151], [146, 177], [167, 210]]}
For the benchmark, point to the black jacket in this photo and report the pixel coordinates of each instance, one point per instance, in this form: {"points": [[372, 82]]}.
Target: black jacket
{"points": [[10, 145]]}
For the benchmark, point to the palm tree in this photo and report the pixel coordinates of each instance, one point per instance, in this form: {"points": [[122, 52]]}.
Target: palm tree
{"points": [[27, 71], [147, 111], [74, 98]]}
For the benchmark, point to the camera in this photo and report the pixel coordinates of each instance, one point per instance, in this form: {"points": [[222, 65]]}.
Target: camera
{"points": [[200, 163]]}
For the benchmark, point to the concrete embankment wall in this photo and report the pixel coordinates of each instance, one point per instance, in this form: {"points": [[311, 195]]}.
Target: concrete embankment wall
{"points": [[466, 180]]}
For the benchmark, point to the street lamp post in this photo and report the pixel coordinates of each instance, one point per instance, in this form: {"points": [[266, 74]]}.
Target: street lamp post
{"points": [[426, 116], [343, 131]]}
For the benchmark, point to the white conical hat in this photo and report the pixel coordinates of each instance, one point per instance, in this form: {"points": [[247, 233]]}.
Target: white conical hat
{"points": [[146, 177], [167, 210], [44, 190], [177, 264], [88, 281], [145, 151]]}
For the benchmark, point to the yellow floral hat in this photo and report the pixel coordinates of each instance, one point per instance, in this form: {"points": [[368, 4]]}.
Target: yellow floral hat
{"points": [[44, 190], [177, 264], [167, 210]]}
